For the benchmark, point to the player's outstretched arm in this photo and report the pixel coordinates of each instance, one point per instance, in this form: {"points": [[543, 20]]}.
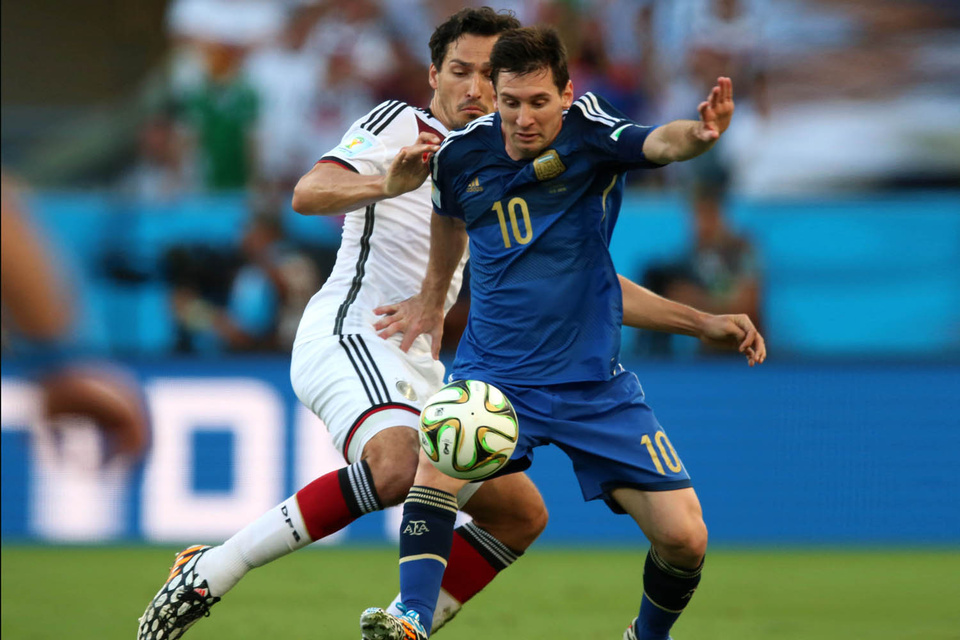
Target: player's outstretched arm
{"points": [[423, 313], [685, 139], [644, 309], [329, 189]]}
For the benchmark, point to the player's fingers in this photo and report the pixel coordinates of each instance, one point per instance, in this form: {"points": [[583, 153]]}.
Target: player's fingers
{"points": [[386, 310], [386, 321], [390, 330], [419, 150], [435, 339], [748, 340], [407, 342], [714, 98], [704, 109], [761, 348], [727, 85], [428, 138]]}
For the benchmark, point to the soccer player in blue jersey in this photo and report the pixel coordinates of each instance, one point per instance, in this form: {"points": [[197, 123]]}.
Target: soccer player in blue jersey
{"points": [[536, 189]]}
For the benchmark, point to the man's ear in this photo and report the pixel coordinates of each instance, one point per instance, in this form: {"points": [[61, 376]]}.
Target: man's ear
{"points": [[566, 98]]}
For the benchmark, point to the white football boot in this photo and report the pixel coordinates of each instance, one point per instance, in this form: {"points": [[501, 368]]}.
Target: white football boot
{"points": [[182, 600]]}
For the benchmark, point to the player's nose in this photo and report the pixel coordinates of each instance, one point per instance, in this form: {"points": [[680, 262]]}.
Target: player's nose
{"points": [[476, 86], [524, 116]]}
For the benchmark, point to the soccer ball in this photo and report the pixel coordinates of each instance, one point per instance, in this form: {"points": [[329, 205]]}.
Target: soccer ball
{"points": [[468, 429]]}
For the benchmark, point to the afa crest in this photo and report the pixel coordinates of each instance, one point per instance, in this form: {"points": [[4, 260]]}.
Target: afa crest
{"points": [[548, 166]]}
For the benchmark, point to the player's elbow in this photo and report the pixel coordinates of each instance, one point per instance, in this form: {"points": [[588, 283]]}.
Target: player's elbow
{"points": [[313, 195], [303, 200]]}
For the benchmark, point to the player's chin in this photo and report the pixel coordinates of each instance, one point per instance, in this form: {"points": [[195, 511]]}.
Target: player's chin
{"points": [[530, 149], [468, 116]]}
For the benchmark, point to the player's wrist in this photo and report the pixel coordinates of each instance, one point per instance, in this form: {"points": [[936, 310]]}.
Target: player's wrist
{"points": [[432, 298], [386, 189], [700, 322]]}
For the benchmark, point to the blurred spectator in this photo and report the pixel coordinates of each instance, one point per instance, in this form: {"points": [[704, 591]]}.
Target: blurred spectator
{"points": [[727, 38], [342, 97], [264, 300], [159, 172], [219, 107], [220, 115], [356, 32], [720, 273], [289, 81]]}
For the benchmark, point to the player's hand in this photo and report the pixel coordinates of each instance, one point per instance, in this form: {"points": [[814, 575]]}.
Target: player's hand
{"points": [[716, 111], [412, 317], [411, 166], [735, 331]]}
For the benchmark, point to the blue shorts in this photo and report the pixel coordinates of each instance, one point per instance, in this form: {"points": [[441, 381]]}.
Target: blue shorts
{"points": [[605, 428]]}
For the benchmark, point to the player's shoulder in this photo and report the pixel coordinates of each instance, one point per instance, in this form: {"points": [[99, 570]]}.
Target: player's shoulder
{"points": [[390, 117], [469, 137], [596, 111], [399, 122], [384, 116]]}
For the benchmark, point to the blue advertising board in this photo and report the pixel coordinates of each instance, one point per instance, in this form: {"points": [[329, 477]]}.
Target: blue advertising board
{"points": [[780, 454]]}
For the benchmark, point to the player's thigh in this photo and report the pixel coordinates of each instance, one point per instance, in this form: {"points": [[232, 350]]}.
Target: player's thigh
{"points": [[671, 520], [510, 508], [360, 386]]}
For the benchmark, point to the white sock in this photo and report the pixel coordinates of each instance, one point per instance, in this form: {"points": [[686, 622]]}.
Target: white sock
{"points": [[276, 533]]}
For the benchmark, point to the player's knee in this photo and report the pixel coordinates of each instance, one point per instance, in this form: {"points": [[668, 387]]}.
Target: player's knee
{"points": [[683, 546], [392, 475], [535, 522]]}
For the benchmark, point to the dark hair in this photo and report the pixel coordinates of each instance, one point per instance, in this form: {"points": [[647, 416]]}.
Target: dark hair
{"points": [[530, 49], [479, 22]]}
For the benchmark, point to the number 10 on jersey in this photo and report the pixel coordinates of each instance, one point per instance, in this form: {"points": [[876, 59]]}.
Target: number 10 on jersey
{"points": [[513, 206]]}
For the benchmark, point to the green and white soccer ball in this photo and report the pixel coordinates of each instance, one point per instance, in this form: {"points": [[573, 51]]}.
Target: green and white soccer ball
{"points": [[468, 429]]}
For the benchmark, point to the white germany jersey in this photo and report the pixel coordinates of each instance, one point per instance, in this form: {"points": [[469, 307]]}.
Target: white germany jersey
{"points": [[385, 247]]}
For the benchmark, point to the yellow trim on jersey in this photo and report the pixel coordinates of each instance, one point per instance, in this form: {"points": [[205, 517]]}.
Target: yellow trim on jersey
{"points": [[606, 192]]}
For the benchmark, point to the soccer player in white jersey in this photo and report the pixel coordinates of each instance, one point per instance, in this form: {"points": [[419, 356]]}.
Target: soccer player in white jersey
{"points": [[366, 390]]}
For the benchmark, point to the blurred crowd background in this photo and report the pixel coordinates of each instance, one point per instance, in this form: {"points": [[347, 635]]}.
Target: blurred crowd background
{"points": [[155, 144]]}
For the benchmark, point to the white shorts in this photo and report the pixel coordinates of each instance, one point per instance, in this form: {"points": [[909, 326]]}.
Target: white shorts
{"points": [[360, 384]]}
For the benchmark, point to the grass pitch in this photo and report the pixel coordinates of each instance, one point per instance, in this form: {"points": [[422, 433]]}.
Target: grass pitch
{"points": [[81, 593]]}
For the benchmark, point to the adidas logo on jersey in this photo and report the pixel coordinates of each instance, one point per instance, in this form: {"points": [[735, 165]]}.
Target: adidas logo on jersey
{"points": [[474, 186]]}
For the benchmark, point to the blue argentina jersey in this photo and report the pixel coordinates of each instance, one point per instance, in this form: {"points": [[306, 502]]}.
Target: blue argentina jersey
{"points": [[546, 304]]}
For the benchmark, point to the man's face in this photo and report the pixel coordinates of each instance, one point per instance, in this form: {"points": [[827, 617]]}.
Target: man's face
{"points": [[531, 110], [463, 91]]}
